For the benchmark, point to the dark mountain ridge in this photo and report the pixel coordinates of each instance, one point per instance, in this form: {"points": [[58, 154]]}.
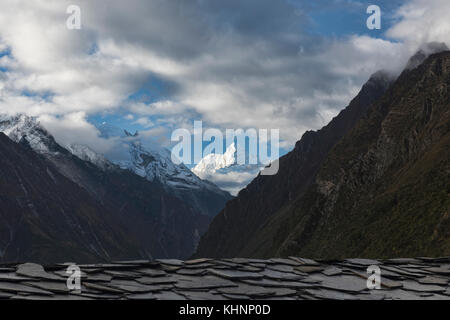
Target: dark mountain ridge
{"points": [[118, 214], [374, 182]]}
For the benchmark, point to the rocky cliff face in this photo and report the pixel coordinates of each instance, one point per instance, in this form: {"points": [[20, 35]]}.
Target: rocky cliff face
{"points": [[374, 182], [157, 223], [46, 217], [235, 227]]}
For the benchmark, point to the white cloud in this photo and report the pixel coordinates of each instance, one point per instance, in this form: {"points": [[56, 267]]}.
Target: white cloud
{"points": [[258, 68]]}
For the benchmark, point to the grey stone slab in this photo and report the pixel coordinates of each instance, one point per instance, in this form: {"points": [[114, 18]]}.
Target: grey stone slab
{"points": [[418, 287], [276, 275], [277, 284], [201, 295], [134, 262], [6, 295], [249, 268], [21, 288], [235, 296], [189, 272], [235, 275], [327, 294], [226, 263], [249, 290], [282, 267], [306, 262], [257, 265], [288, 262], [110, 266], [141, 296], [123, 274], [98, 277], [33, 270], [171, 262], [309, 269], [400, 294], [439, 270], [399, 270], [353, 284], [434, 280], [102, 288], [54, 297], [257, 291], [132, 286], [204, 283], [53, 286], [151, 272], [197, 261], [168, 295], [204, 265], [332, 271], [13, 277], [399, 261], [157, 280], [99, 296], [363, 262]]}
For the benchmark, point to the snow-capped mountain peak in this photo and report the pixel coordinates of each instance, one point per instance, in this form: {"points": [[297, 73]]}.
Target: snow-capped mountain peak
{"points": [[151, 161], [213, 162], [87, 154], [23, 128]]}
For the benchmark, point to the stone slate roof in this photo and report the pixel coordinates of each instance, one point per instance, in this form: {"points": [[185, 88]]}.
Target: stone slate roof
{"points": [[292, 278]]}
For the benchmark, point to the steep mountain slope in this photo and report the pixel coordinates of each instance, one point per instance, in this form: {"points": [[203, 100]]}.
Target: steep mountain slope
{"points": [[46, 217], [383, 189], [232, 230], [163, 225]]}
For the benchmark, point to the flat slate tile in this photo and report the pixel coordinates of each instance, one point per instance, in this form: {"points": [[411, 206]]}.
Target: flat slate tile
{"points": [[344, 283], [204, 283], [21, 288], [132, 286], [434, 280], [168, 295], [276, 275], [282, 267], [102, 288], [332, 271], [157, 280], [201, 295], [327, 294], [306, 262], [12, 276], [415, 286], [197, 261], [53, 286], [235, 275], [141, 296], [33, 270], [171, 262], [191, 272], [257, 292], [151, 272], [288, 262], [363, 262], [309, 269], [440, 270], [278, 284]]}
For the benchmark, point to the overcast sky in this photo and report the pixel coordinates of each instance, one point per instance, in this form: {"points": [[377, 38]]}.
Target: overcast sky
{"points": [[158, 65]]}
